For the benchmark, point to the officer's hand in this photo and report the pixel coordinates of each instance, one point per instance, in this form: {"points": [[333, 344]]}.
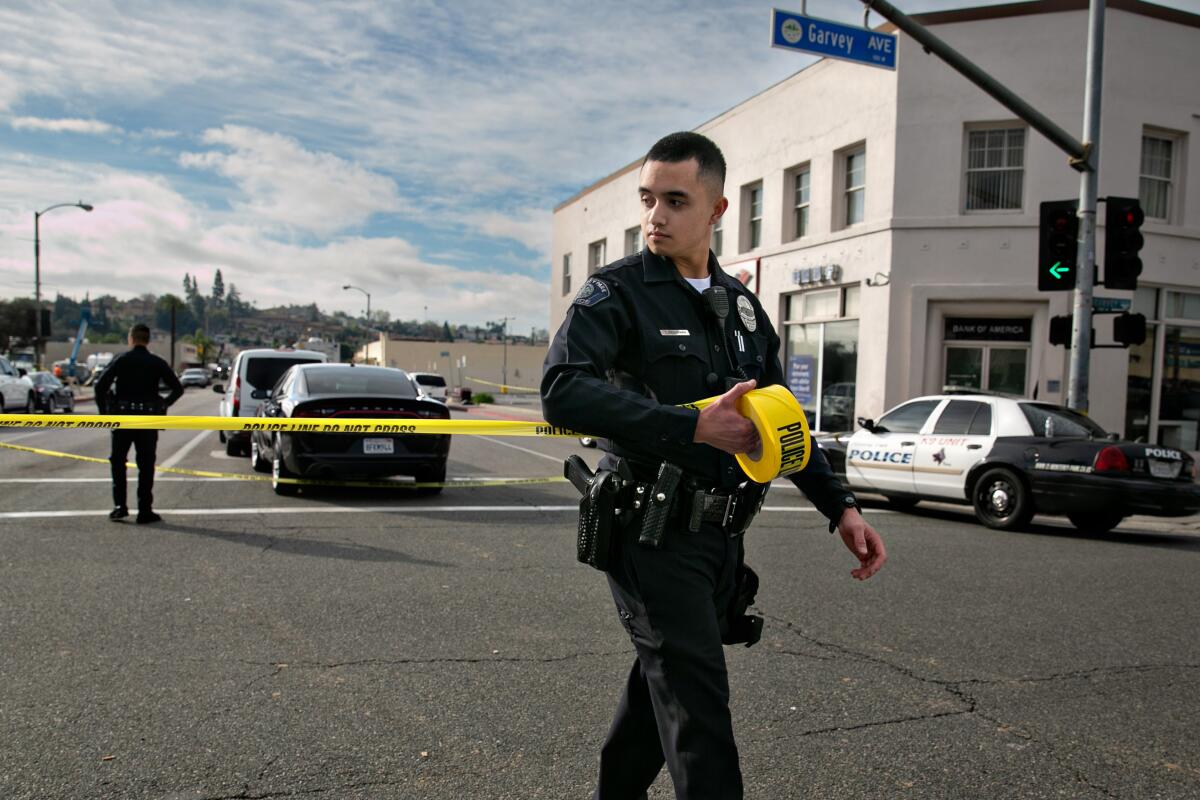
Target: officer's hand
{"points": [[721, 426], [863, 542]]}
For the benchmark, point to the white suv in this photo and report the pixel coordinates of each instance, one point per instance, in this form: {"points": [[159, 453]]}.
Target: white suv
{"points": [[432, 384], [252, 377], [16, 390]]}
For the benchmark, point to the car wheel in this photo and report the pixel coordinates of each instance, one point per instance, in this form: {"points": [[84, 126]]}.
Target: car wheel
{"points": [[902, 503], [1097, 522], [70, 407], [278, 471], [232, 447], [434, 475], [51, 406], [1001, 500], [221, 437], [30, 405], [257, 461]]}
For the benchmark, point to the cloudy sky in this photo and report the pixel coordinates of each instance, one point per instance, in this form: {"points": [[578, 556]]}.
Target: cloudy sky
{"points": [[413, 148]]}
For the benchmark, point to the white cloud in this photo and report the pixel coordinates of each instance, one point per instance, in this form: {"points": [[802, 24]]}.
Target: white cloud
{"points": [[144, 235], [285, 185], [91, 126]]}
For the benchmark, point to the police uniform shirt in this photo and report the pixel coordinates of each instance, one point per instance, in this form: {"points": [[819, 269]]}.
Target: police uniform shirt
{"points": [[637, 342], [136, 374]]}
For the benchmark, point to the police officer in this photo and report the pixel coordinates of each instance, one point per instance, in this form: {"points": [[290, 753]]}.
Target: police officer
{"points": [[136, 374], [643, 335]]}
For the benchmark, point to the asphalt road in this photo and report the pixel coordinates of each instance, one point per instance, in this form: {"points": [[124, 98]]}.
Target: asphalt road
{"points": [[373, 644]]}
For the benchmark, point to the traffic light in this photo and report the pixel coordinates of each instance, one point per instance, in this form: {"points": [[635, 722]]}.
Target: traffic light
{"points": [[46, 330], [1129, 329], [1060, 330], [1058, 234], [1123, 219]]}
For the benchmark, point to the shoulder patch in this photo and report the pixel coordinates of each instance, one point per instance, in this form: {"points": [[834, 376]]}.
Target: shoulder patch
{"points": [[746, 311], [592, 292]]}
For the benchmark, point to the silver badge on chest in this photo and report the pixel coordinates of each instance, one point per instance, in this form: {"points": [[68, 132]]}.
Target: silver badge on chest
{"points": [[746, 312]]}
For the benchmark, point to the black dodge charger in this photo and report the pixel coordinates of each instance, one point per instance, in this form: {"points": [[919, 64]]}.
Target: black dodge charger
{"points": [[319, 391]]}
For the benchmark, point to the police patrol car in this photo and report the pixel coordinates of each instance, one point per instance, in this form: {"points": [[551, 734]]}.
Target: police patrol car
{"points": [[1012, 458]]}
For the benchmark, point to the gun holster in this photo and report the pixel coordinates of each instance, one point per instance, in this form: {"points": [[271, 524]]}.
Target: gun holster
{"points": [[597, 511], [742, 627]]}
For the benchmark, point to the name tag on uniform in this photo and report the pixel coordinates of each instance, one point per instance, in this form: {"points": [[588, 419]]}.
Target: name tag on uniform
{"points": [[675, 332]]}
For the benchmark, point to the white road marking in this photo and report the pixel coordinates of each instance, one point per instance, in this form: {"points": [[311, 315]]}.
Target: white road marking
{"points": [[336, 509], [555, 459], [179, 454], [204, 479]]}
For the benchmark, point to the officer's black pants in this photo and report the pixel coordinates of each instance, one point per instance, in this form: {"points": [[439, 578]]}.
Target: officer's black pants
{"points": [[675, 705], [146, 443]]}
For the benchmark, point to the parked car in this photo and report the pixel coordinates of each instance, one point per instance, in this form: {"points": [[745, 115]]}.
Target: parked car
{"points": [[16, 390], [253, 374], [50, 394], [194, 376], [431, 384], [1012, 458], [347, 391]]}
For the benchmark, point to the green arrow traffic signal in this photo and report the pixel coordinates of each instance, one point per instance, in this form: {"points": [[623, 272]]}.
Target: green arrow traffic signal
{"points": [[1058, 271]]}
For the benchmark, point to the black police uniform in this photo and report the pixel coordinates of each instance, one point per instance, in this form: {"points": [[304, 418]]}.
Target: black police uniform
{"points": [[136, 374], [638, 341]]}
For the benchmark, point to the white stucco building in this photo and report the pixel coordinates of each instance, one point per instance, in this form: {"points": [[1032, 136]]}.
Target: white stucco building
{"points": [[888, 219]]}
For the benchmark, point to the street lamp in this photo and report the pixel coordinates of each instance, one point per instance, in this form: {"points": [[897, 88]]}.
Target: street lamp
{"points": [[368, 294], [37, 274]]}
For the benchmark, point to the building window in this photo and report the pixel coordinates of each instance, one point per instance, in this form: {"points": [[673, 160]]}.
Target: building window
{"points": [[995, 169], [821, 359], [801, 183], [718, 234], [854, 183], [752, 208], [566, 274], [596, 257], [1155, 181], [633, 240]]}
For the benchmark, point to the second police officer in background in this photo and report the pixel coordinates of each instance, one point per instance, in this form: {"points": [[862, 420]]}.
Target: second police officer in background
{"points": [[643, 335], [133, 378]]}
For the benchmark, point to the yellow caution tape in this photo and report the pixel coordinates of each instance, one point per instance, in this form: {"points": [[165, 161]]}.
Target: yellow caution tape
{"points": [[487, 427], [777, 416], [199, 473], [505, 388]]}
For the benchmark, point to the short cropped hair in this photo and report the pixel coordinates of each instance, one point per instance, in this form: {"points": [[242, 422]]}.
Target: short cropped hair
{"points": [[140, 334], [676, 147]]}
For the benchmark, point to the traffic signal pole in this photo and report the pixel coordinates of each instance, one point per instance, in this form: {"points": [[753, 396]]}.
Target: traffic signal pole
{"points": [[1085, 275], [1084, 157]]}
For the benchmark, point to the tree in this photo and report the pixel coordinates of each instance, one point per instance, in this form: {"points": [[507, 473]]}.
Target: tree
{"points": [[218, 290], [234, 301], [446, 334]]}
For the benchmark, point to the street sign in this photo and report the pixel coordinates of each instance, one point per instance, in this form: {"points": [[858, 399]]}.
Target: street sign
{"points": [[833, 39], [1111, 305]]}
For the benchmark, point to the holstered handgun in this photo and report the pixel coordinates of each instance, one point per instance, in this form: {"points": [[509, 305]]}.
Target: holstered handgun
{"points": [[658, 506], [597, 510]]}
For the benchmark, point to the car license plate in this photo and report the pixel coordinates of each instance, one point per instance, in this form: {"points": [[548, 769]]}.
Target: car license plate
{"points": [[379, 446], [1165, 469]]}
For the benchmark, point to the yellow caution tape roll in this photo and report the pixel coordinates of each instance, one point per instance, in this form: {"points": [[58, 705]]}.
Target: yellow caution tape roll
{"points": [[786, 442]]}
